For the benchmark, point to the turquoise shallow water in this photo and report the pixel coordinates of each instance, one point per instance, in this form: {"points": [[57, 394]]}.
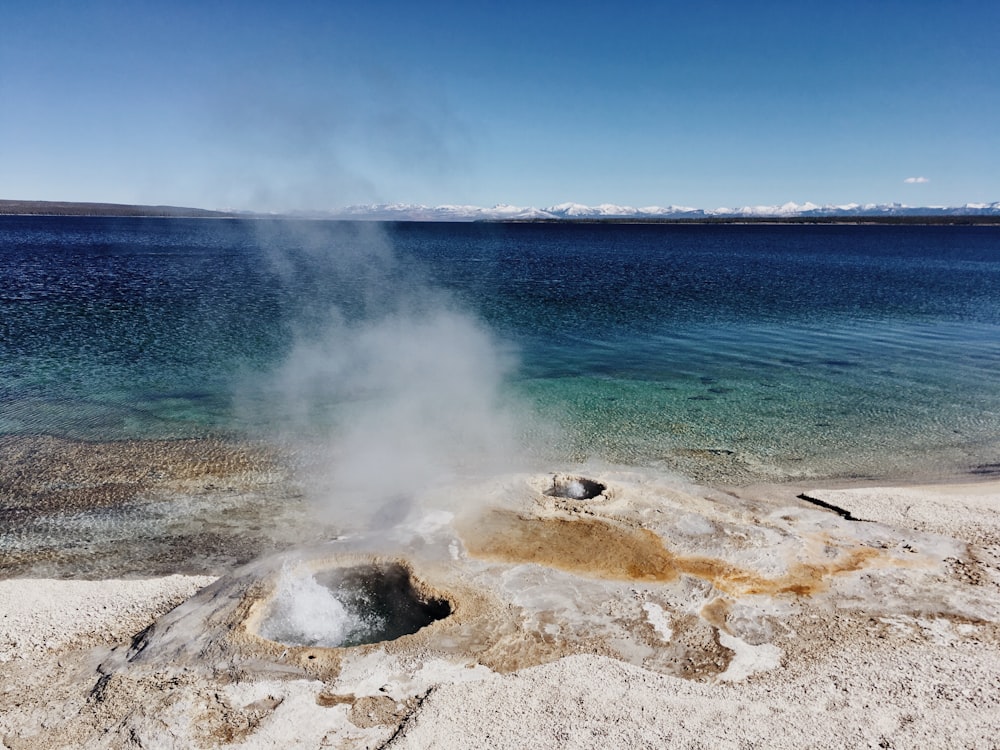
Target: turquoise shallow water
{"points": [[766, 402], [726, 353]]}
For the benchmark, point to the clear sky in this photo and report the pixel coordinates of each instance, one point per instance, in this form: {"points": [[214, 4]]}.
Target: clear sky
{"points": [[314, 105]]}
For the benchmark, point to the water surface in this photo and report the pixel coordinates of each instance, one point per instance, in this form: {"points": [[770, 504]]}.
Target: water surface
{"points": [[726, 353]]}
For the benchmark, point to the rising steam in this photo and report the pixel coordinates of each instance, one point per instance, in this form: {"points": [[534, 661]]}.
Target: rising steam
{"points": [[402, 386]]}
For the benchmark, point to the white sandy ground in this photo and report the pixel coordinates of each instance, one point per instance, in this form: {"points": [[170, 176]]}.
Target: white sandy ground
{"points": [[40, 616], [843, 677], [966, 511]]}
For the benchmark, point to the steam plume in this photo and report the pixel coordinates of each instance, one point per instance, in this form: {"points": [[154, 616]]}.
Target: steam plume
{"points": [[405, 386]]}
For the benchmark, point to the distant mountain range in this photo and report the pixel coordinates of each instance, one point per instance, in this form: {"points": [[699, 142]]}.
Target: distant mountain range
{"points": [[788, 212], [610, 211]]}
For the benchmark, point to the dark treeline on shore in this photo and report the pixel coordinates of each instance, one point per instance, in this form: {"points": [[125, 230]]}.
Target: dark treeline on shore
{"points": [[68, 208]]}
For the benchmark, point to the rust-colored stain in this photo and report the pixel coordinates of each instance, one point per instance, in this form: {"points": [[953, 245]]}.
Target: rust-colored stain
{"points": [[715, 613], [600, 549], [327, 700]]}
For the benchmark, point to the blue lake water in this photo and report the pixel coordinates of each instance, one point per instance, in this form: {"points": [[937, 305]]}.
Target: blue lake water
{"points": [[725, 353]]}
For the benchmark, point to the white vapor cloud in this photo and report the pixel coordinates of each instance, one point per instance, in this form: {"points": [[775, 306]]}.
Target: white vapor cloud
{"points": [[390, 386], [418, 402], [916, 180]]}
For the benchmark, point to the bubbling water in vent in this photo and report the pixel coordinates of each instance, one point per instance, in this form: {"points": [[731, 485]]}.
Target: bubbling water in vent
{"points": [[344, 607], [304, 612]]}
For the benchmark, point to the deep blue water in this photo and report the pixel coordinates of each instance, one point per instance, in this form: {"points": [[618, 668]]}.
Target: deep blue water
{"points": [[724, 352]]}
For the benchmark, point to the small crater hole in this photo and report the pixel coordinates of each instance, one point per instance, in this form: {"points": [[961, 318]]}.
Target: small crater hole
{"points": [[575, 488]]}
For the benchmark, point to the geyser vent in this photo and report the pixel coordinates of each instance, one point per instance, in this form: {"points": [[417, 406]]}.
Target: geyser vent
{"points": [[350, 606], [575, 488]]}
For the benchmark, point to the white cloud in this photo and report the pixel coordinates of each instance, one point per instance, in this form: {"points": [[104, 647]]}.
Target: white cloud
{"points": [[916, 180]]}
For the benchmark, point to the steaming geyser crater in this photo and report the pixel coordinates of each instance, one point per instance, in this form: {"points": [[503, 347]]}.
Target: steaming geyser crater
{"points": [[346, 603]]}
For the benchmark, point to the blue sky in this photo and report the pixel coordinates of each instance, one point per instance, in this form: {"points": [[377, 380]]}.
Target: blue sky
{"points": [[315, 105]]}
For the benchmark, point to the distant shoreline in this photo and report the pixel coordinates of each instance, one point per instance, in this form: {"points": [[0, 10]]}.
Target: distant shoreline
{"points": [[80, 209], [69, 208]]}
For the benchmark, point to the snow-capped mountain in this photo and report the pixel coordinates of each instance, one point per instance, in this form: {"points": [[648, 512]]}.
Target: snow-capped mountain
{"points": [[416, 212], [504, 212]]}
